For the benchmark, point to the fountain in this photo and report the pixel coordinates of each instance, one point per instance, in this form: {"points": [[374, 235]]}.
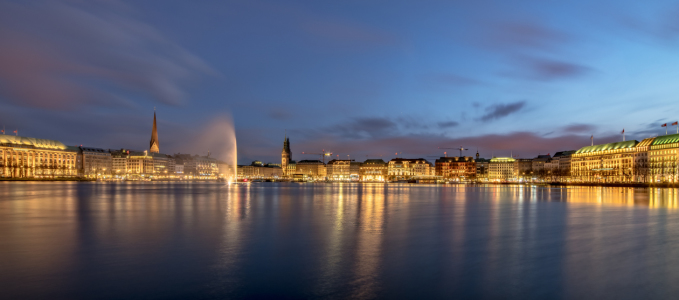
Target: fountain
{"points": [[220, 135]]}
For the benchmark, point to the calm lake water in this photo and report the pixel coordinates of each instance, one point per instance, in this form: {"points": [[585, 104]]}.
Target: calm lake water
{"points": [[336, 241]]}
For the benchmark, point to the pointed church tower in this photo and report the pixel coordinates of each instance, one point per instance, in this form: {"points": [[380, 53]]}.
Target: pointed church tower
{"points": [[286, 155], [154, 136]]}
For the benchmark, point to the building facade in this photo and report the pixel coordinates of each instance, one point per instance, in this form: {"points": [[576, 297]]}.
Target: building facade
{"points": [[455, 168], [25, 157], [286, 156], [407, 169], [310, 170], [96, 163], [501, 169], [612, 162], [373, 170]]}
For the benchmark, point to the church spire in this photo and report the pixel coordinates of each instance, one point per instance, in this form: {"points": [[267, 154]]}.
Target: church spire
{"points": [[154, 135]]}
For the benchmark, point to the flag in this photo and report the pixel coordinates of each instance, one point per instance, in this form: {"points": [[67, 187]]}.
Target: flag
{"points": [[664, 125], [623, 131], [675, 123], [16, 131]]}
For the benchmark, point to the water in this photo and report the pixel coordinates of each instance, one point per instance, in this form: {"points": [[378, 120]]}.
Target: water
{"points": [[208, 241]]}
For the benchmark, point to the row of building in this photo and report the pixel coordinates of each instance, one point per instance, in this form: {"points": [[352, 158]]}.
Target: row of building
{"points": [[653, 160], [26, 157]]}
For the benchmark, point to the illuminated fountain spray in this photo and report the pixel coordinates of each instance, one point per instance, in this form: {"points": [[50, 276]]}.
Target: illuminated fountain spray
{"points": [[220, 135]]}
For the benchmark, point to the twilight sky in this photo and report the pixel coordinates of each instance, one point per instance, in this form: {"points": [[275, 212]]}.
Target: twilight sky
{"points": [[359, 78]]}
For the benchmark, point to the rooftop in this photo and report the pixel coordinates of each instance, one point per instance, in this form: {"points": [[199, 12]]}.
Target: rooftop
{"points": [[666, 139], [609, 146], [28, 141], [502, 159]]}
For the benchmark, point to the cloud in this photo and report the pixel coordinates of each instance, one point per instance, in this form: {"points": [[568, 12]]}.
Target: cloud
{"points": [[498, 111], [448, 124], [359, 128], [524, 144], [61, 56], [579, 128]]}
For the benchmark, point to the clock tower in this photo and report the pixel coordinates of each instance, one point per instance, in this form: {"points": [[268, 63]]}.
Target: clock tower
{"points": [[286, 155]]}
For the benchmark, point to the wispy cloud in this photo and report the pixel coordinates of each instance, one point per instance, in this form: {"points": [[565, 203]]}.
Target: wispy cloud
{"points": [[498, 111], [59, 56]]}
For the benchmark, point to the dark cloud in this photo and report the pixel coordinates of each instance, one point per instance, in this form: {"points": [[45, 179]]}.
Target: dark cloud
{"points": [[359, 128], [579, 128], [498, 111], [523, 144], [448, 124], [540, 69], [60, 56]]}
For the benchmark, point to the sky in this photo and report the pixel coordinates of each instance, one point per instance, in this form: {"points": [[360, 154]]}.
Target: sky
{"points": [[360, 79]]}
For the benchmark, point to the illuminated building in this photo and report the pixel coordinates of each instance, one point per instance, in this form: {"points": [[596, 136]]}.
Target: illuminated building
{"points": [[153, 145], [406, 169], [538, 165], [612, 162], [523, 169], [641, 160], [286, 156], [24, 157], [373, 170], [558, 166], [662, 158], [96, 163], [140, 165], [458, 168], [501, 169], [310, 170], [258, 170], [482, 165], [119, 163], [342, 170]]}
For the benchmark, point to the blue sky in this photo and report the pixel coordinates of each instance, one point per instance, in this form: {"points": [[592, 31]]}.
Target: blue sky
{"points": [[359, 78]]}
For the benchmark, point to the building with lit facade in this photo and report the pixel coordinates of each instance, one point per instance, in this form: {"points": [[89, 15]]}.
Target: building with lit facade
{"points": [[310, 170], [257, 170], [96, 163], [662, 159], [641, 161], [25, 157], [523, 169], [538, 166], [373, 170], [140, 166], [501, 169], [342, 170], [286, 157], [455, 168], [119, 163], [612, 162], [407, 169]]}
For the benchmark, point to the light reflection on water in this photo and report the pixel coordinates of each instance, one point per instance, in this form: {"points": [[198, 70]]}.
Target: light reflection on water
{"points": [[203, 240]]}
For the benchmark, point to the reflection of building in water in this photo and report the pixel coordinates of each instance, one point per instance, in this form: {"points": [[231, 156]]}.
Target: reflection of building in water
{"points": [[24, 157], [501, 169], [612, 162]]}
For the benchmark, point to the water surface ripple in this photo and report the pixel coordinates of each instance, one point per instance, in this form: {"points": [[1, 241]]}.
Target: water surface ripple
{"points": [[336, 241]]}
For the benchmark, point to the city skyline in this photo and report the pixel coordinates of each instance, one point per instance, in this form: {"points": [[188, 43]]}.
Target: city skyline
{"points": [[526, 78]]}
